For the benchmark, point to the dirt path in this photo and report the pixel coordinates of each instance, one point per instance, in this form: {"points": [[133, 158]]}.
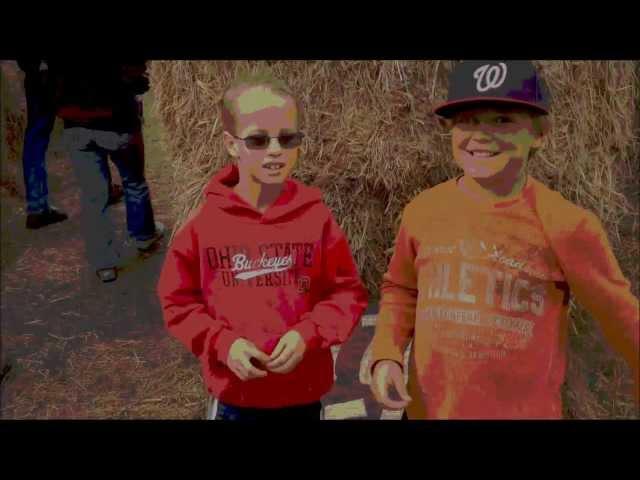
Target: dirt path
{"points": [[75, 347]]}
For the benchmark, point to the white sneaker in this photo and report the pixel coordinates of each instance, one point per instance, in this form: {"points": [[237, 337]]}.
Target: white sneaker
{"points": [[145, 245]]}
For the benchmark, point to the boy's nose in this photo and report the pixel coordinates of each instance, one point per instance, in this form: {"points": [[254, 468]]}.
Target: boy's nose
{"points": [[481, 135], [274, 146]]}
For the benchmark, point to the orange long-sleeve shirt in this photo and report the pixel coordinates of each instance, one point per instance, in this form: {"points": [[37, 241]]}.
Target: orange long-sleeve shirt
{"points": [[483, 290]]}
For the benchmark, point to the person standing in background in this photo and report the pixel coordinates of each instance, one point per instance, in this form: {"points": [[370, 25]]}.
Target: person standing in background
{"points": [[41, 113], [99, 103], [40, 92]]}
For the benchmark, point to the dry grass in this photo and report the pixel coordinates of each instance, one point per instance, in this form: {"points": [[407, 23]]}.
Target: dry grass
{"points": [[372, 145], [83, 377]]}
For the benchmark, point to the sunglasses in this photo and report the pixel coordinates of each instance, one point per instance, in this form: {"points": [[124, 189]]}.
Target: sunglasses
{"points": [[260, 141]]}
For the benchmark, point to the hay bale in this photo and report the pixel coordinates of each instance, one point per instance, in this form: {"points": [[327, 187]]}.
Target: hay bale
{"points": [[372, 145], [12, 126]]}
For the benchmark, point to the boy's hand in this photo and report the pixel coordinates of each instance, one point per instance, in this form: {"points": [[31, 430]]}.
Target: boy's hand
{"points": [[386, 373], [288, 353], [241, 353]]}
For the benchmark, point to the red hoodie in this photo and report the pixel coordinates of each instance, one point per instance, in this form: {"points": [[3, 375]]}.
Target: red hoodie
{"points": [[234, 272]]}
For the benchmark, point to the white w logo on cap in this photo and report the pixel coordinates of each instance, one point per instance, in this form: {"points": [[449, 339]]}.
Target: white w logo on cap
{"points": [[490, 76]]}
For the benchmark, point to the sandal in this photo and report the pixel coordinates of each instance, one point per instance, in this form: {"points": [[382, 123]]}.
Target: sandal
{"points": [[107, 274]]}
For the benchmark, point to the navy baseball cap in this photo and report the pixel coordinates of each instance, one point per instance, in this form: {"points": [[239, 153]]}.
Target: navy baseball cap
{"points": [[495, 82]]}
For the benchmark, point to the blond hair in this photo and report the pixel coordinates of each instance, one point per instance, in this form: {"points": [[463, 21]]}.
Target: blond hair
{"points": [[245, 81]]}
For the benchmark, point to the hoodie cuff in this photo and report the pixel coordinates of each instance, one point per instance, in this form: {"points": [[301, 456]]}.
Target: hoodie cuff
{"points": [[223, 343], [309, 333]]}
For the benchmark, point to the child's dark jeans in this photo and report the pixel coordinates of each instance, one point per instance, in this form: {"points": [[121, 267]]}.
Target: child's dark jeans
{"points": [[221, 411]]}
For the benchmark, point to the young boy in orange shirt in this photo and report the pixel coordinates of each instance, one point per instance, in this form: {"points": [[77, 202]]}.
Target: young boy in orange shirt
{"points": [[484, 266]]}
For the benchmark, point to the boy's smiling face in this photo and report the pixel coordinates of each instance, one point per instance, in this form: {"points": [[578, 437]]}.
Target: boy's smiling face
{"points": [[259, 111], [487, 141]]}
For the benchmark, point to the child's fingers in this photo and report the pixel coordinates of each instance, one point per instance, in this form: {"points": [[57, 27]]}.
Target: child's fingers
{"points": [[283, 369], [374, 391], [401, 388], [278, 350], [284, 356], [239, 372], [288, 365], [394, 404], [382, 396], [250, 371], [387, 401], [281, 362], [259, 355], [254, 372], [380, 388]]}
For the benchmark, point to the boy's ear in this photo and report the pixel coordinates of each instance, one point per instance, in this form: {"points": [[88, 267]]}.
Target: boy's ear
{"points": [[538, 142], [230, 144], [542, 128]]}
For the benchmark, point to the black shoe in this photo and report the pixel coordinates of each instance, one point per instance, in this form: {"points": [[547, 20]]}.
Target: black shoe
{"points": [[115, 194], [39, 220]]}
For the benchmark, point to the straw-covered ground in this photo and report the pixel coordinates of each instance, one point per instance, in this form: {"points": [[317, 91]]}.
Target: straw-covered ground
{"points": [[72, 347]]}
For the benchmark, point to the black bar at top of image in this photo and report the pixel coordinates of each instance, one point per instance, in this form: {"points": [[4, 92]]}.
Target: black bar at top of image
{"points": [[435, 40]]}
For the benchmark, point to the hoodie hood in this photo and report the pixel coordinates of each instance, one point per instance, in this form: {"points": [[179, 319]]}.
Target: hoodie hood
{"points": [[294, 199]]}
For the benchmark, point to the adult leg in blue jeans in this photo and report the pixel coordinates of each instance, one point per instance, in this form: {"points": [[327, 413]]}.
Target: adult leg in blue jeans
{"points": [[89, 159], [140, 219], [40, 120], [89, 151]]}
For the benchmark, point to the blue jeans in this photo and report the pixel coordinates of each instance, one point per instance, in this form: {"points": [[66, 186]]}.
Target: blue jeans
{"points": [[88, 150], [309, 412], [40, 119]]}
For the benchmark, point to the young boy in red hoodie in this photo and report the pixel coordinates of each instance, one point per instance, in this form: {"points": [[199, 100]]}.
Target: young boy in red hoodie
{"points": [[260, 280], [484, 266]]}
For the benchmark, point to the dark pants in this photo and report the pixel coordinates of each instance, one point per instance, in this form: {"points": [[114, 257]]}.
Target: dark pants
{"points": [[40, 119], [309, 412], [89, 150]]}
